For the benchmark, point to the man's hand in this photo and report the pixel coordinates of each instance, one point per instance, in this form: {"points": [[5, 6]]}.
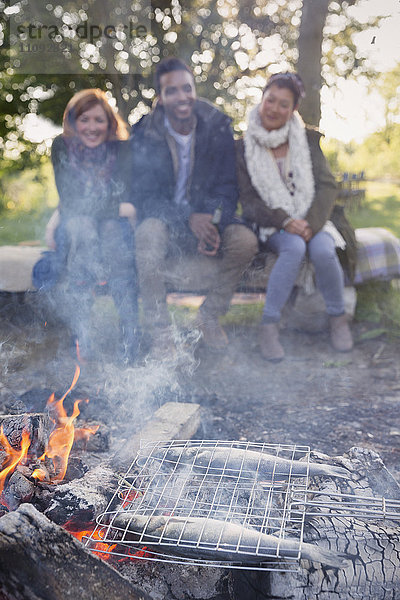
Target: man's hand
{"points": [[300, 227], [205, 232], [128, 211]]}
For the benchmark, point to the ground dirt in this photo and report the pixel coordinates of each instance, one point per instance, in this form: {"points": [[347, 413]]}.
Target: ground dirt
{"points": [[315, 397]]}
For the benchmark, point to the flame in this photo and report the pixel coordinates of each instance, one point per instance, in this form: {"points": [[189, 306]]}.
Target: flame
{"points": [[61, 439], [13, 456], [84, 433], [39, 474], [102, 549], [129, 496], [59, 444], [78, 352]]}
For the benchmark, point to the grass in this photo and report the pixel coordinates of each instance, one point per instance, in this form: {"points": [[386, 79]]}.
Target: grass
{"points": [[23, 226], [381, 207]]}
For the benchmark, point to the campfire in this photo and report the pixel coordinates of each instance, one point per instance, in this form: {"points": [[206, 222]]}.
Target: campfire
{"points": [[184, 504], [35, 448]]}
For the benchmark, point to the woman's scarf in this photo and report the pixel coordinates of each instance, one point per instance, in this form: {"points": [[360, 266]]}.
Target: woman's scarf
{"points": [[295, 192], [93, 166]]}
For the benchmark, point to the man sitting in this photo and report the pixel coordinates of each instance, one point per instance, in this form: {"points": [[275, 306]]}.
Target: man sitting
{"points": [[183, 172]]}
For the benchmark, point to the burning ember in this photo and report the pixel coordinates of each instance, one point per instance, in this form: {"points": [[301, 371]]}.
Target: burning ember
{"points": [[52, 465], [14, 457], [102, 549]]}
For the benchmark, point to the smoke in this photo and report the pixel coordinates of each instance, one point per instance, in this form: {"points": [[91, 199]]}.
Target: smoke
{"points": [[135, 393]]}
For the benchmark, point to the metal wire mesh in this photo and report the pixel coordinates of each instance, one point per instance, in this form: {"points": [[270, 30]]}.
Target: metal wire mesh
{"points": [[210, 502], [331, 504]]}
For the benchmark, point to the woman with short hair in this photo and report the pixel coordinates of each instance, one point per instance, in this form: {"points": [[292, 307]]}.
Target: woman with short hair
{"points": [[287, 193]]}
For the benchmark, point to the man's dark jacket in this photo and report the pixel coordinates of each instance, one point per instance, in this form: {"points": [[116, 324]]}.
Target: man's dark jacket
{"points": [[213, 178]]}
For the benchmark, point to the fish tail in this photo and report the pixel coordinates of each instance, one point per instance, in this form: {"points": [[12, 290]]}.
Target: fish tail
{"points": [[329, 471], [339, 472], [323, 556]]}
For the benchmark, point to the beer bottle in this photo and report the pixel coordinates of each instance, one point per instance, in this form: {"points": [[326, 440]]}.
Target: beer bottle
{"points": [[216, 220]]}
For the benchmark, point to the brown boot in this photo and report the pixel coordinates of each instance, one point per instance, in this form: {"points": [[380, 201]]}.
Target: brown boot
{"points": [[270, 346], [341, 337], [213, 336]]}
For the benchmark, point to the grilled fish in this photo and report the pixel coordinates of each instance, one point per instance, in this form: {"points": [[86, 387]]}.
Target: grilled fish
{"points": [[246, 463], [218, 540]]}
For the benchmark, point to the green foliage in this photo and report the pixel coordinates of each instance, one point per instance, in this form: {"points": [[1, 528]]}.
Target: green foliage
{"points": [[230, 44], [378, 304], [23, 227], [27, 199], [378, 155], [28, 190], [381, 207]]}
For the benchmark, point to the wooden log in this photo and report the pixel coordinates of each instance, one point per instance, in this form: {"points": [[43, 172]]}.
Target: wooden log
{"points": [[19, 489], [373, 546], [81, 499], [41, 561], [173, 421], [38, 426]]}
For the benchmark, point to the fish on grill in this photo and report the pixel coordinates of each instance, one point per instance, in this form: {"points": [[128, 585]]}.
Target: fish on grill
{"points": [[247, 463], [218, 540]]}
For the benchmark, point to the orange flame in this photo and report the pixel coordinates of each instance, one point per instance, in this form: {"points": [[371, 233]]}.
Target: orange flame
{"points": [[78, 352], [84, 433], [39, 474], [103, 548], [13, 456], [61, 440], [59, 445]]}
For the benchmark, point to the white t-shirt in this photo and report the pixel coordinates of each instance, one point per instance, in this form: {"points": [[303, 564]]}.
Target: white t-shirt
{"points": [[183, 145]]}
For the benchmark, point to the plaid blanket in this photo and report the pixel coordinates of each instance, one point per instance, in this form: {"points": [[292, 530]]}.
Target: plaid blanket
{"points": [[378, 255]]}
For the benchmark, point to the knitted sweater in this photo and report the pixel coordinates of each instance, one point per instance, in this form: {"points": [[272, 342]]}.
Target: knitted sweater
{"points": [[84, 192]]}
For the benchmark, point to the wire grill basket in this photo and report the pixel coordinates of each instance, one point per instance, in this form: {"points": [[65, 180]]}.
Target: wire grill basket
{"points": [[225, 504], [208, 502]]}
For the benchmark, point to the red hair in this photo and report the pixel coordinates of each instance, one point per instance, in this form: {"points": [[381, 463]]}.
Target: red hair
{"points": [[85, 100]]}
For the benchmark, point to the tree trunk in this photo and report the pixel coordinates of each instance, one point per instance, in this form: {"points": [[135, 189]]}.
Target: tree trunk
{"points": [[310, 52]]}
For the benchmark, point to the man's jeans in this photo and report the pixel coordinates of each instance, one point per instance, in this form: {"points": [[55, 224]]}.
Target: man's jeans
{"points": [[159, 269]]}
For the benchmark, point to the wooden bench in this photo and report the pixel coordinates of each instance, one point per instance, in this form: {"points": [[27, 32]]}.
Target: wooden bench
{"points": [[378, 259], [376, 244]]}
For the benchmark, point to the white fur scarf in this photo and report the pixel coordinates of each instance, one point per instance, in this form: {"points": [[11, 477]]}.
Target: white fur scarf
{"points": [[264, 172]]}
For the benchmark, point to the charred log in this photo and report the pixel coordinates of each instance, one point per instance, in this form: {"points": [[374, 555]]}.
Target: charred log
{"points": [[372, 545], [37, 425], [82, 499], [41, 561], [19, 490]]}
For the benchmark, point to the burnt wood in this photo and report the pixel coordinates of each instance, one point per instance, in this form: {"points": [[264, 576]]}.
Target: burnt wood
{"points": [[81, 499], [373, 546], [38, 425], [41, 561]]}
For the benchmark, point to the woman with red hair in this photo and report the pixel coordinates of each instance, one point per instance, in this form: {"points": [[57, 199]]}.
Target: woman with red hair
{"points": [[89, 229]]}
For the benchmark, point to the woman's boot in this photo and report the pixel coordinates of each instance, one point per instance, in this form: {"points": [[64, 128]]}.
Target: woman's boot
{"points": [[270, 346], [341, 337]]}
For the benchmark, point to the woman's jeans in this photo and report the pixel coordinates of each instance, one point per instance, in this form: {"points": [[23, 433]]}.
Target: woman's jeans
{"points": [[291, 250], [98, 252]]}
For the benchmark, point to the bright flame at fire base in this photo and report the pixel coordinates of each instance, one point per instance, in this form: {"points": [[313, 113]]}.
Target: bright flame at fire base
{"points": [[58, 447]]}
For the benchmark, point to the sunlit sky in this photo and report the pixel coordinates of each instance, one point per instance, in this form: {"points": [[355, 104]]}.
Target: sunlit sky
{"points": [[351, 113]]}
